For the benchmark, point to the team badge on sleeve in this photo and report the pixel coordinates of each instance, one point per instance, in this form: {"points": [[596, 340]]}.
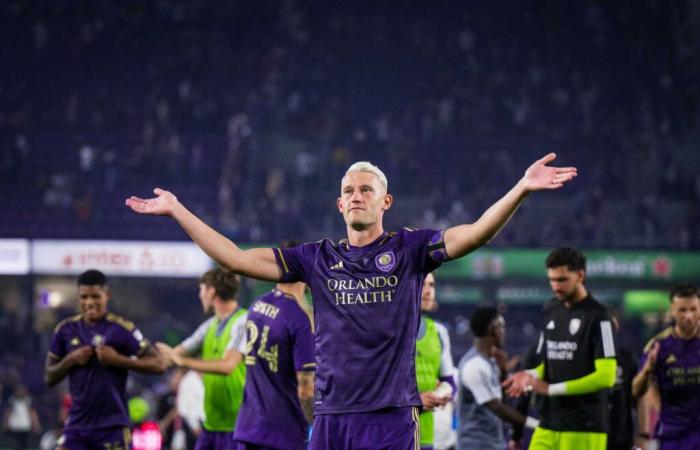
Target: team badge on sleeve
{"points": [[385, 261]]}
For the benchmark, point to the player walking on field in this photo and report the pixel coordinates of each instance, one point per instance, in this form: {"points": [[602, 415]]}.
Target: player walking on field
{"points": [[577, 350], [671, 367]]}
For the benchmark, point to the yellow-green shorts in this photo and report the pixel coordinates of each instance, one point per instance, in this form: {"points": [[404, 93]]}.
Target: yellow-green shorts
{"points": [[543, 439]]}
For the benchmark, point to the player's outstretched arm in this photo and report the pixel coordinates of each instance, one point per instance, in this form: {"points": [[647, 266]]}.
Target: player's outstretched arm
{"points": [[257, 263], [216, 366], [463, 239]]}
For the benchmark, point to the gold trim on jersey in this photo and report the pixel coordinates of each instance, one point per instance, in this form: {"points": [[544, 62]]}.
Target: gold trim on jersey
{"points": [[75, 318], [120, 321], [663, 335], [284, 263], [127, 437], [416, 430]]}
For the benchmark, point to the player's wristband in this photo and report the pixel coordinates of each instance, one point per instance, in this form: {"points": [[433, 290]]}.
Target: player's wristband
{"points": [[531, 422], [556, 389]]}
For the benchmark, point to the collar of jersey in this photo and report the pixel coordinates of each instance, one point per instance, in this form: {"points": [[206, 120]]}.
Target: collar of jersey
{"points": [[582, 303], [374, 243]]}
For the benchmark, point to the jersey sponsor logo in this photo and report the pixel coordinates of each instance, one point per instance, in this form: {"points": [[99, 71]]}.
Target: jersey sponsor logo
{"points": [[75, 341], [574, 326], [561, 350], [337, 266], [366, 290], [550, 325], [385, 261]]}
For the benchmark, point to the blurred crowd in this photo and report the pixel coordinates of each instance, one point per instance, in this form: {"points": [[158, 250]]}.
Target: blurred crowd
{"points": [[250, 112]]}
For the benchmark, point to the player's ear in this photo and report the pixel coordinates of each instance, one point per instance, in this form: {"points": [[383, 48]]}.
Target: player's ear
{"points": [[582, 275], [339, 204], [388, 201]]}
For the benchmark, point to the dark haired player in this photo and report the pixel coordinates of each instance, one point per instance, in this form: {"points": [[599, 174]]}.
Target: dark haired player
{"points": [[96, 349], [671, 366], [481, 407], [577, 348], [366, 292]]}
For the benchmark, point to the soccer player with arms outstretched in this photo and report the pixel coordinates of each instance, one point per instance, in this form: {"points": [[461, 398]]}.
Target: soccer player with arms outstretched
{"points": [[366, 291]]}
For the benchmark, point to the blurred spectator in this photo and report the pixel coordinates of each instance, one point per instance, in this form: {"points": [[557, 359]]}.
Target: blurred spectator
{"points": [[21, 419]]}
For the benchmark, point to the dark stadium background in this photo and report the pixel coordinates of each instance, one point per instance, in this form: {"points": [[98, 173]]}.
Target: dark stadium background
{"points": [[251, 111]]}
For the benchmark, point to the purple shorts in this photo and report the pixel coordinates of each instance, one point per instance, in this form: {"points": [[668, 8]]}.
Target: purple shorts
{"points": [[215, 440], [101, 438], [249, 446], [690, 441], [386, 429]]}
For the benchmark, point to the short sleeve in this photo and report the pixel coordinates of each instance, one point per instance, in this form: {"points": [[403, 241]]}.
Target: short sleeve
{"points": [[603, 337], [237, 339], [477, 376], [193, 343], [296, 262], [302, 339], [134, 342], [447, 366], [57, 347], [428, 248]]}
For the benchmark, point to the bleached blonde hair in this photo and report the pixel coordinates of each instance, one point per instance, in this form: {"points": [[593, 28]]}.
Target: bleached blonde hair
{"points": [[366, 166]]}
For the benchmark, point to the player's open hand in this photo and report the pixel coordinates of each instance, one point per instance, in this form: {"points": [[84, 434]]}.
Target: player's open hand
{"points": [[539, 176], [164, 203], [518, 384], [81, 355], [107, 355]]}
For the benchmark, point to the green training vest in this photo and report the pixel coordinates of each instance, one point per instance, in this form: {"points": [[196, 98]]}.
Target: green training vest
{"points": [[222, 393], [428, 352]]}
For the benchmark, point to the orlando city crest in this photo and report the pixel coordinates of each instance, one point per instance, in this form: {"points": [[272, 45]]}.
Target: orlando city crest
{"points": [[385, 261]]}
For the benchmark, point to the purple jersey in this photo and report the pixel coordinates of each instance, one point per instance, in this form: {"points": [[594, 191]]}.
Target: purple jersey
{"points": [[279, 344], [98, 392], [677, 375], [367, 311]]}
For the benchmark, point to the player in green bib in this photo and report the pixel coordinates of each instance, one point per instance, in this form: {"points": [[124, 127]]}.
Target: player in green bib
{"points": [[434, 366], [220, 342]]}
